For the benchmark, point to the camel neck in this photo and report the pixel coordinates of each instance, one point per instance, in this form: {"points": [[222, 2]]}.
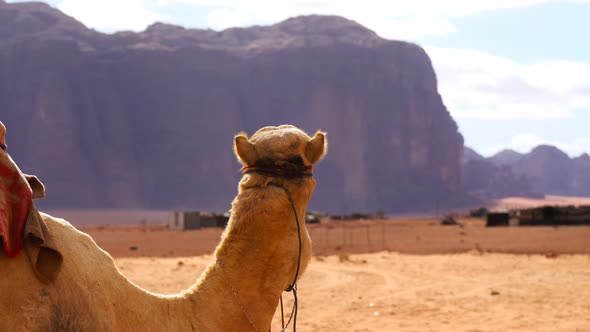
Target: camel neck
{"points": [[257, 257]]}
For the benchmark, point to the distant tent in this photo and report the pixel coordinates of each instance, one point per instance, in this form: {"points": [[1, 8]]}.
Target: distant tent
{"points": [[184, 220]]}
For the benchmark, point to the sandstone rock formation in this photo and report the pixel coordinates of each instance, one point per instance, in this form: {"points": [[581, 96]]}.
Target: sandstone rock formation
{"points": [[141, 119]]}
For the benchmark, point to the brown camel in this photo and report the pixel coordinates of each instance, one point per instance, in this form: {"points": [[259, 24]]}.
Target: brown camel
{"points": [[254, 263]]}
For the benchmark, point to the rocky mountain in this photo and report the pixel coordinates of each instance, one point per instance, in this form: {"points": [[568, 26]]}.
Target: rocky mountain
{"points": [[549, 169], [581, 175], [146, 120], [488, 180], [544, 170], [506, 157], [469, 154]]}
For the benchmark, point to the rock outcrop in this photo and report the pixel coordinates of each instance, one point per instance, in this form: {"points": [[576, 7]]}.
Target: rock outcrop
{"points": [[145, 120]]}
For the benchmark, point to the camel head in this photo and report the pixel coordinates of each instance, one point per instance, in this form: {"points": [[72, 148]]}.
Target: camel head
{"points": [[281, 155], [273, 146], [277, 160]]}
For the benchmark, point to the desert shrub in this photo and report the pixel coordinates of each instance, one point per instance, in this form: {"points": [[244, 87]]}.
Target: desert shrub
{"points": [[449, 220]]}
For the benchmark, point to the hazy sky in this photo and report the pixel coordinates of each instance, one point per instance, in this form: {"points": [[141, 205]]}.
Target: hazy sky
{"points": [[513, 73]]}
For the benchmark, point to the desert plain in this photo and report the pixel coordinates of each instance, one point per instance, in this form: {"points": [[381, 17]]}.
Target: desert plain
{"points": [[411, 274]]}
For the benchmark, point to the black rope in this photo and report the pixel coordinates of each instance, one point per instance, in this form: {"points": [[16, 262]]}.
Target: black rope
{"points": [[292, 285], [282, 314], [295, 304]]}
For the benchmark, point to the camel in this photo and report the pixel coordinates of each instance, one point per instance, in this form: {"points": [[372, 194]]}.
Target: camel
{"points": [[239, 290]]}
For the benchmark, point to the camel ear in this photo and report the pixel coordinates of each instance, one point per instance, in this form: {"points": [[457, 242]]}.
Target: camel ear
{"points": [[316, 148], [244, 149], [2, 135]]}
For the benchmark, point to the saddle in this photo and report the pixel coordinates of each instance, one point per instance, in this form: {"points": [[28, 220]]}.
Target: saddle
{"points": [[21, 225]]}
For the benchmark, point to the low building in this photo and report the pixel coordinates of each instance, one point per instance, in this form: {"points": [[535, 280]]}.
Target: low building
{"points": [[542, 216], [185, 220], [555, 216], [181, 220], [495, 219]]}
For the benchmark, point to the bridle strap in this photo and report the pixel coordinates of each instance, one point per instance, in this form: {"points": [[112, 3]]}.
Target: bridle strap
{"points": [[271, 172], [246, 168], [281, 170]]}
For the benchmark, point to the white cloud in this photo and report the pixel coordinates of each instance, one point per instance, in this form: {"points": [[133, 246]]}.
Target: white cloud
{"points": [[476, 84], [392, 8], [408, 28], [221, 19], [111, 15], [392, 19], [525, 142]]}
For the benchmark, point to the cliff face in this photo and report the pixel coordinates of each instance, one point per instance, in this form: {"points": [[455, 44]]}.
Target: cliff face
{"points": [[146, 120]]}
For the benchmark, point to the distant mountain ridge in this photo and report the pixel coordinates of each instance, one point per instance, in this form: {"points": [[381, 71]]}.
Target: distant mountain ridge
{"points": [[544, 170], [146, 120], [470, 154], [506, 157]]}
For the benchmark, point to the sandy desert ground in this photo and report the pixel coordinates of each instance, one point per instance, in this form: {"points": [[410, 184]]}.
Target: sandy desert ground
{"points": [[400, 292], [400, 275], [409, 236], [395, 275]]}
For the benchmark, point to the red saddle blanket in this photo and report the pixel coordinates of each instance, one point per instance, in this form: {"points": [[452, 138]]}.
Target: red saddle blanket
{"points": [[15, 201]]}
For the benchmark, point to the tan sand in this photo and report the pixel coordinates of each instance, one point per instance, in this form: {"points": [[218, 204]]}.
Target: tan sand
{"points": [[545, 288], [399, 292], [415, 236]]}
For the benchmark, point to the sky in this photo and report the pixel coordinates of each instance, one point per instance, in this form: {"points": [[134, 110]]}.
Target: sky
{"points": [[512, 73]]}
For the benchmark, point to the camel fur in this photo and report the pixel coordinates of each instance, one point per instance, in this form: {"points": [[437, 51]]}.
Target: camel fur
{"points": [[258, 251]]}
